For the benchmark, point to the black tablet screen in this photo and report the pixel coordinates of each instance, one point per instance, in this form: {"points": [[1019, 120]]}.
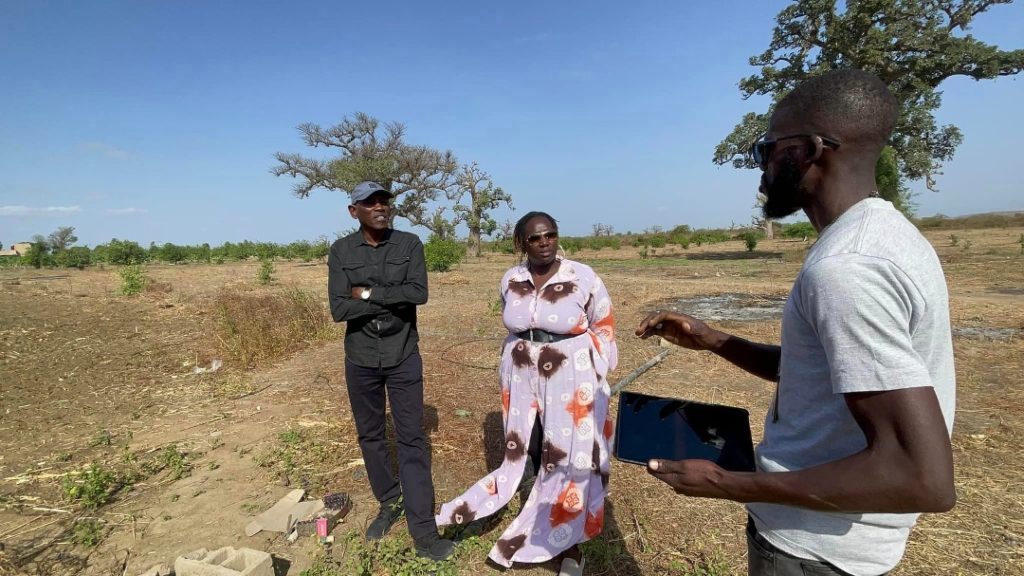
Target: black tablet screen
{"points": [[671, 429]]}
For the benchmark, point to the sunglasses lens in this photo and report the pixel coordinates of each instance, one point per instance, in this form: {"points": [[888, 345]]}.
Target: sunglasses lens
{"points": [[760, 152]]}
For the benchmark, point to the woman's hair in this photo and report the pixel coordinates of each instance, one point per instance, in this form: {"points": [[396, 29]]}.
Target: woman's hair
{"points": [[519, 232]]}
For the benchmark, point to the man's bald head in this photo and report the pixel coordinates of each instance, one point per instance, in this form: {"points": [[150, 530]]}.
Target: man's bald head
{"points": [[852, 106]]}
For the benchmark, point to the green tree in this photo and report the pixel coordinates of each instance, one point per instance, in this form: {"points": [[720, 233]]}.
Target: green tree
{"points": [[890, 185], [74, 257], [62, 238], [38, 254], [202, 253], [483, 197], [321, 248], [912, 45], [370, 150], [120, 252], [173, 253]]}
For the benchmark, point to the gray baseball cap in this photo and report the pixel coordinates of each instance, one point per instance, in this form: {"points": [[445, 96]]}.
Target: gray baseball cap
{"points": [[364, 190]]}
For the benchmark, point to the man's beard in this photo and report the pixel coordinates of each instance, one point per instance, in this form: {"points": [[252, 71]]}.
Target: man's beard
{"points": [[782, 196]]}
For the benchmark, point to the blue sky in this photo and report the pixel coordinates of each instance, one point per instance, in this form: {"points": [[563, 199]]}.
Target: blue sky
{"points": [[158, 121]]}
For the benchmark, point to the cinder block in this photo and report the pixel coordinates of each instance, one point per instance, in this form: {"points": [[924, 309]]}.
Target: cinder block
{"points": [[225, 561]]}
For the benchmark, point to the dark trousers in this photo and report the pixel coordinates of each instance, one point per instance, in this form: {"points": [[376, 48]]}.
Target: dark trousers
{"points": [[764, 559], [368, 390], [535, 451]]}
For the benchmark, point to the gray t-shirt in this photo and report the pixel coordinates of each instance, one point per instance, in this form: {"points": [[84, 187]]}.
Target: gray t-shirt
{"points": [[869, 311]]}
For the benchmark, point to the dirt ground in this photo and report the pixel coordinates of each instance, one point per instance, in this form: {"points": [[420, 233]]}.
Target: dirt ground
{"points": [[90, 376]]}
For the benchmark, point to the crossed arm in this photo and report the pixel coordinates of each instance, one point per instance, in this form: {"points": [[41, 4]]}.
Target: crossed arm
{"points": [[345, 300]]}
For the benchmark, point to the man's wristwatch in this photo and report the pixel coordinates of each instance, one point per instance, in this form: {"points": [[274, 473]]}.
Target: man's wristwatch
{"points": [[365, 294]]}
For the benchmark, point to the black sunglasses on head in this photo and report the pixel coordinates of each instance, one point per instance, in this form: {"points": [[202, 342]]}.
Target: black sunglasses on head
{"points": [[761, 151], [534, 238]]}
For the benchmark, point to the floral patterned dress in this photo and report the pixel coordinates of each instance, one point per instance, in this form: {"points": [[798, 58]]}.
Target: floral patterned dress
{"points": [[564, 384]]}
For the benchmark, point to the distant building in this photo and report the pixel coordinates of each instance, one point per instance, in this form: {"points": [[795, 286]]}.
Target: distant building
{"points": [[18, 249]]}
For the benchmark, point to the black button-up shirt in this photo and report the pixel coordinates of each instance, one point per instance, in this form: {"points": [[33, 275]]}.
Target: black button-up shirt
{"points": [[381, 331]]}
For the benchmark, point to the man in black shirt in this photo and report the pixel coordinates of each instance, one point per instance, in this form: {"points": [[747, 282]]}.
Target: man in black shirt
{"points": [[376, 278]]}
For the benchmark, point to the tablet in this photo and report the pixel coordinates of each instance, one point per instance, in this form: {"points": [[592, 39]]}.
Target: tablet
{"points": [[650, 427]]}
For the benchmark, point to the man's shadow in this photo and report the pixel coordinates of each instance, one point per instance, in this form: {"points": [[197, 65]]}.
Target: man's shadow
{"points": [[605, 552]]}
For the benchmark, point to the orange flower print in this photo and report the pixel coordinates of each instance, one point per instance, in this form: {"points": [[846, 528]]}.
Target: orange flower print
{"points": [[489, 485], [568, 506], [579, 407], [595, 522]]}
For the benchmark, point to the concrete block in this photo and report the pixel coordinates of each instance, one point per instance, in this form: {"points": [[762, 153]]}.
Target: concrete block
{"points": [[225, 561]]}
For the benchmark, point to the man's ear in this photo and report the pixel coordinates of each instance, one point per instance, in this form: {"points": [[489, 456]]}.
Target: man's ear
{"points": [[352, 212]]}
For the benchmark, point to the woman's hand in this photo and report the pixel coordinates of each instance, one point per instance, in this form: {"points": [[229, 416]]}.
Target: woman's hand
{"points": [[681, 330]]}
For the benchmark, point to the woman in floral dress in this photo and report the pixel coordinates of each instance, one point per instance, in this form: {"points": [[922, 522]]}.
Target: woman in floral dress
{"points": [[554, 366]]}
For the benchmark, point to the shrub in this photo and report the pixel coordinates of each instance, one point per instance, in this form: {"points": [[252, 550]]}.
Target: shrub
{"points": [[503, 246], [702, 237], [750, 239], [175, 461], [799, 230], [123, 252], [74, 257], [658, 240], [87, 532], [601, 242], [38, 256], [93, 488], [173, 253], [11, 262], [258, 327], [320, 249], [133, 280], [441, 254], [201, 253], [680, 238], [265, 275], [570, 245]]}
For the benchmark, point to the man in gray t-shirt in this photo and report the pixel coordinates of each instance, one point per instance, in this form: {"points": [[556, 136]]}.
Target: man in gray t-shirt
{"points": [[856, 443]]}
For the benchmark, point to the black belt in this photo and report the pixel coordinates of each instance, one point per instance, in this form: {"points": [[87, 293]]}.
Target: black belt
{"points": [[543, 336]]}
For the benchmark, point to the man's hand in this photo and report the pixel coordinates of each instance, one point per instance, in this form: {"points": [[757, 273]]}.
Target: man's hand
{"points": [[357, 292], [701, 478], [681, 330]]}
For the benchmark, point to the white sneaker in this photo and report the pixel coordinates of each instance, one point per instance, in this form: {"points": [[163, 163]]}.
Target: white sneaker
{"points": [[572, 568]]}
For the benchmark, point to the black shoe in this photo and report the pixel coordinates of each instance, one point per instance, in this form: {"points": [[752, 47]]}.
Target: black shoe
{"points": [[390, 512], [475, 528], [433, 547]]}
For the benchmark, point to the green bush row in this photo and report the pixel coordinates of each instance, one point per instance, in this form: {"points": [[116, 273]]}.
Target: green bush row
{"points": [[127, 252]]}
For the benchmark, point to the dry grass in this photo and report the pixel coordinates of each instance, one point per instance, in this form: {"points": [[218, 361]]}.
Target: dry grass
{"points": [[76, 357], [257, 327]]}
